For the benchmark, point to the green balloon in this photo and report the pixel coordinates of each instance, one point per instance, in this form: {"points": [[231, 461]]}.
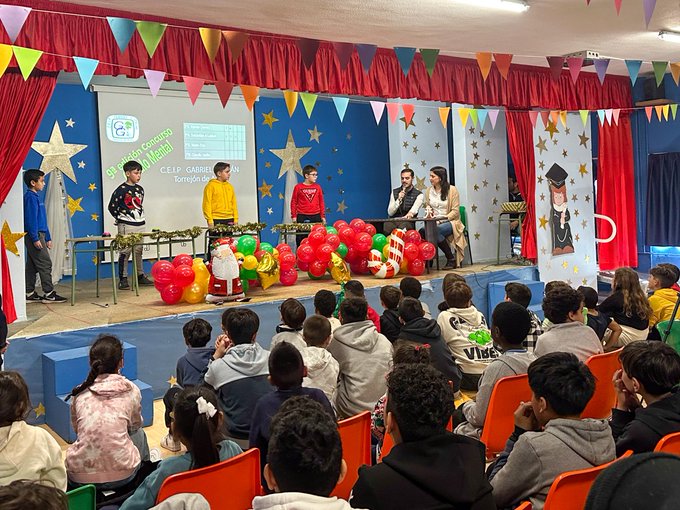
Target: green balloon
{"points": [[342, 250], [312, 277], [245, 285], [331, 230], [379, 242], [246, 245], [267, 247], [248, 274]]}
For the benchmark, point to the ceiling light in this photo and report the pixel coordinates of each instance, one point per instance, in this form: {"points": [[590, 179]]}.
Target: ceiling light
{"points": [[665, 35], [506, 5]]}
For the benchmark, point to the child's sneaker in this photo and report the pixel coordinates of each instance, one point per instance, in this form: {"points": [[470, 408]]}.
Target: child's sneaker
{"points": [[123, 283], [34, 297], [142, 279], [155, 455], [53, 297], [169, 443]]}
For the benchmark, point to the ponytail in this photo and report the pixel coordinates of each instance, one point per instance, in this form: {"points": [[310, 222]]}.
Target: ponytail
{"points": [[106, 354], [194, 423], [410, 352]]}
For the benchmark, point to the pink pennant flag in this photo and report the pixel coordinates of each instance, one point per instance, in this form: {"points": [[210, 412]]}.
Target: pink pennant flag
{"points": [[392, 111], [545, 115], [224, 89], [533, 115], [378, 109], [608, 115], [154, 79], [648, 112], [575, 64], [194, 86], [493, 117], [615, 114], [617, 4], [13, 18], [408, 110], [648, 6]]}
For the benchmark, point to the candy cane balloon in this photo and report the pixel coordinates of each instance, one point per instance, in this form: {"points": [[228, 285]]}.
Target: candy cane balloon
{"points": [[389, 268]]}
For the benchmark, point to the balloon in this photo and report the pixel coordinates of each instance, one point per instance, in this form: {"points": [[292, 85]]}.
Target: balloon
{"points": [[403, 268], [316, 237], [259, 253], [386, 252], [305, 253], [171, 294], [358, 225], [288, 277], [253, 283], [239, 257], [318, 268], [194, 294], [247, 245], [427, 251], [267, 247], [283, 248], [347, 235], [323, 252], [160, 285], [304, 241], [338, 269], [333, 240], [370, 229], [363, 242], [165, 273], [411, 251], [416, 267], [360, 267], [248, 274], [412, 236], [250, 262], [276, 254], [352, 255], [331, 230], [339, 224], [312, 277], [379, 241], [184, 276], [183, 259], [161, 264], [268, 271], [286, 261], [342, 250], [245, 285], [319, 228], [303, 266]]}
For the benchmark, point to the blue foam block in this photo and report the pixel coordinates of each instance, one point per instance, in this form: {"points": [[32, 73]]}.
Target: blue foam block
{"points": [[497, 294]]}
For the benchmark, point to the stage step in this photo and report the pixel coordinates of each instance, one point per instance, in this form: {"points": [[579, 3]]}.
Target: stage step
{"points": [[497, 294]]}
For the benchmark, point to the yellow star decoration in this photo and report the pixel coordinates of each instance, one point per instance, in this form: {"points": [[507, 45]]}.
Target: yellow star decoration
{"points": [[267, 164], [95, 261], [544, 222], [10, 238], [410, 122], [73, 205], [281, 196], [56, 154], [94, 217], [565, 264], [575, 269], [587, 258], [40, 410], [341, 207], [420, 183], [582, 169], [584, 281], [541, 145], [92, 186], [290, 156], [552, 129], [477, 235], [269, 119], [266, 189], [584, 140], [340, 171], [172, 381], [314, 134]]}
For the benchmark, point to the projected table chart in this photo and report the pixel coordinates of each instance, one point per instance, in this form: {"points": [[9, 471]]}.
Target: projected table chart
{"points": [[101, 245], [214, 142]]}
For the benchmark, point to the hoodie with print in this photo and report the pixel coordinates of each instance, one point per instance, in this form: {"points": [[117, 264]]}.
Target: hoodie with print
{"points": [[322, 371]]}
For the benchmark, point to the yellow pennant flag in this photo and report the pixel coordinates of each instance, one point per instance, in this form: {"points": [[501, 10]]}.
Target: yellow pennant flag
{"points": [[584, 116], [211, 38], [5, 57], [27, 58], [563, 117], [553, 116], [464, 113], [665, 111], [659, 111], [250, 93], [444, 115], [308, 101], [291, 99]]}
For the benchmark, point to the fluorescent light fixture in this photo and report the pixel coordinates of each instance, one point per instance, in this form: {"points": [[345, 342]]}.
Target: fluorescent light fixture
{"points": [[505, 5], [665, 35]]}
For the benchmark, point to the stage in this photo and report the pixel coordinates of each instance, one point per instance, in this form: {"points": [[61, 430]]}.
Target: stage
{"points": [[155, 328]]}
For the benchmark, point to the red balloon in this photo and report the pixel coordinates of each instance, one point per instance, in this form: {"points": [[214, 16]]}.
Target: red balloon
{"points": [[257, 242], [286, 260], [317, 237], [288, 277], [411, 251], [305, 253], [363, 242], [165, 273], [360, 267], [358, 225], [416, 267], [339, 224], [347, 235], [317, 268], [171, 294], [319, 228], [412, 236], [160, 285], [427, 251], [253, 283], [304, 241], [166, 265], [323, 253], [302, 266], [283, 248], [352, 255], [183, 259], [333, 240], [184, 275], [259, 253], [370, 229]]}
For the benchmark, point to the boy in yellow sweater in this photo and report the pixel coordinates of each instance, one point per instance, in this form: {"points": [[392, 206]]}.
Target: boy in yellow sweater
{"points": [[662, 301], [219, 201]]}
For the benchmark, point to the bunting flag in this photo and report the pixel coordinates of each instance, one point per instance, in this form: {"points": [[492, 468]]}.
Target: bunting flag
{"points": [[409, 110], [378, 108], [608, 115], [674, 110], [122, 29], [151, 34], [211, 38], [344, 52], [366, 53], [616, 113], [648, 112], [250, 93], [659, 111], [633, 69], [665, 111], [584, 116], [405, 57], [493, 117], [341, 106], [675, 71], [463, 113], [236, 41], [601, 65], [308, 101], [291, 99], [474, 117], [648, 6], [444, 115], [194, 86], [659, 71], [308, 49], [545, 115], [556, 64], [601, 115], [224, 89], [484, 62], [5, 57], [154, 79], [392, 112], [563, 117], [503, 61], [482, 114], [13, 18], [27, 58], [429, 57], [575, 64], [86, 68], [533, 115], [553, 117], [617, 4]]}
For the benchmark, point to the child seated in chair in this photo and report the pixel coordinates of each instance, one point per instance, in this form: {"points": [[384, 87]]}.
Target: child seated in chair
{"points": [[322, 367], [411, 287], [293, 315], [389, 320], [519, 293]]}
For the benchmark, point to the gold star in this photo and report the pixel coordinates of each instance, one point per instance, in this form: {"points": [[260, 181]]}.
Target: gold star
{"points": [[423, 162], [488, 143], [476, 236], [575, 269], [10, 238], [482, 134], [541, 165], [428, 120], [487, 163], [406, 166], [70, 122], [542, 197], [584, 223], [73, 205], [572, 181], [544, 221], [341, 207], [269, 119], [494, 201], [584, 139], [473, 164], [281, 197], [582, 169], [473, 144], [587, 258], [555, 141], [564, 153], [415, 149], [261, 150], [95, 260], [567, 131], [485, 183], [410, 123], [437, 145], [92, 186], [266, 189], [574, 198], [543, 251], [56, 154], [472, 130], [40, 410], [588, 198], [474, 208], [476, 156], [404, 144], [541, 145], [81, 164], [420, 183], [576, 213], [414, 135], [340, 171], [551, 128], [489, 219], [94, 217], [290, 156], [476, 187], [540, 179], [577, 237], [267, 164], [314, 134], [584, 281], [172, 381], [565, 264]]}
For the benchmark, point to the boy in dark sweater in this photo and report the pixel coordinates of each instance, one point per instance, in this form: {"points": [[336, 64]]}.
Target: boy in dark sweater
{"points": [[651, 370], [389, 320], [355, 289]]}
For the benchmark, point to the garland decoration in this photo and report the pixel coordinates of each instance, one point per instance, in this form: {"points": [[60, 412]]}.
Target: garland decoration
{"points": [[192, 233], [124, 241], [295, 227], [240, 228]]}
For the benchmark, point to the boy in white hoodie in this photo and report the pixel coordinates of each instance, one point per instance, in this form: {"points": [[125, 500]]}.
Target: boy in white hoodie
{"points": [[322, 367], [293, 315]]}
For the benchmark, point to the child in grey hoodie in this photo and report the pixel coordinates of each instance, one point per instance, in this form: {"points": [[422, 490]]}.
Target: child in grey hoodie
{"points": [[293, 315], [322, 368]]}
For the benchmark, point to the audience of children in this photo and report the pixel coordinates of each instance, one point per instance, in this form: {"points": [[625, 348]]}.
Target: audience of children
{"points": [[510, 324], [293, 315], [411, 287], [519, 293], [448, 280], [563, 307], [676, 274], [355, 289], [550, 437], [324, 304], [549, 287], [389, 320], [597, 321], [651, 370], [428, 466], [363, 355], [322, 367], [30, 495], [661, 280]]}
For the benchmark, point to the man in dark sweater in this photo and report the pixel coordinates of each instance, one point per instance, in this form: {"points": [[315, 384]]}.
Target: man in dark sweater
{"points": [[405, 202]]}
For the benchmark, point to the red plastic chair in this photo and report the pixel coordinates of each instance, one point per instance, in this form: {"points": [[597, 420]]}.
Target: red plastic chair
{"points": [[524, 506], [669, 444], [242, 473], [499, 423], [603, 367], [355, 434], [388, 442]]}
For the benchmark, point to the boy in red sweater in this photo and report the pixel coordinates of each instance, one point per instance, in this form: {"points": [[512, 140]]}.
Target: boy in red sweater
{"points": [[307, 205]]}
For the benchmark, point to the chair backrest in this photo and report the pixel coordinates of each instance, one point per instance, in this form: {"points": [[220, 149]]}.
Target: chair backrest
{"points": [[500, 422], [82, 498], [388, 442], [242, 473], [355, 434], [603, 367], [669, 444], [463, 215]]}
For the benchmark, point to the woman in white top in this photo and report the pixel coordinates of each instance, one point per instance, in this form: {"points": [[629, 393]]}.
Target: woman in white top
{"points": [[442, 199]]}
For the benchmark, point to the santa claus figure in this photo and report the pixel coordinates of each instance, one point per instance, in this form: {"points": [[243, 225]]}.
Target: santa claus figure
{"points": [[225, 284]]}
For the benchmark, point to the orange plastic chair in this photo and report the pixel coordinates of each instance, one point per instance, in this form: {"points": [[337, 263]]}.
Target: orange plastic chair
{"points": [[524, 506], [500, 421], [603, 367], [242, 473], [669, 444], [355, 434], [388, 442]]}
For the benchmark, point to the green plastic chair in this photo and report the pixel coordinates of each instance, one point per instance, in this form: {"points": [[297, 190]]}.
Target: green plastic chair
{"points": [[674, 336], [463, 219], [82, 498]]}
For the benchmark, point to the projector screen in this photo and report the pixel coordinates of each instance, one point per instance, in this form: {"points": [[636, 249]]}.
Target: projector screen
{"points": [[177, 144]]}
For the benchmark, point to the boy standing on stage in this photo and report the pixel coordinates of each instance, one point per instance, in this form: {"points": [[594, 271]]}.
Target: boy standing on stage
{"points": [[307, 205], [219, 199], [126, 206]]}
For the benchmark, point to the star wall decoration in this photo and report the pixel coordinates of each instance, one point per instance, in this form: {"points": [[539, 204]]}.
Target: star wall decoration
{"points": [[487, 163], [564, 153], [575, 269], [490, 219], [341, 207], [40, 410], [81, 164], [551, 128], [472, 130], [349, 136], [482, 134], [414, 135], [474, 208], [582, 169], [269, 119], [544, 221], [473, 144], [172, 380], [485, 183], [494, 201], [428, 120], [584, 223], [543, 251], [587, 258], [565, 264], [267, 164], [576, 213], [56, 154], [475, 155], [539, 179], [473, 164], [415, 149], [584, 281], [340, 171], [329, 178], [555, 141], [476, 187], [266, 189], [95, 260], [567, 131], [437, 145], [92, 186], [406, 166], [410, 123], [423, 162], [541, 145], [583, 139], [10, 238], [572, 181], [94, 217], [542, 197], [290, 156], [420, 183], [488, 143], [270, 210], [587, 199], [70, 122], [574, 197], [404, 144], [541, 165], [577, 237], [281, 196], [73, 205], [261, 150], [477, 235], [314, 134]]}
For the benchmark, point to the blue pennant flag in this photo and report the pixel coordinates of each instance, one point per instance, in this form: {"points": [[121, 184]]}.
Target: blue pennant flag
{"points": [[86, 68], [366, 53], [123, 29], [341, 106], [601, 114], [633, 69], [405, 57], [481, 115]]}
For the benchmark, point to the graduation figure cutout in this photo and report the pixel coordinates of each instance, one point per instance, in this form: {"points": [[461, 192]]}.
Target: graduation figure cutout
{"points": [[562, 241]]}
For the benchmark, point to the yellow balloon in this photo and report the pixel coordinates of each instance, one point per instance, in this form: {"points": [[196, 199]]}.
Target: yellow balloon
{"points": [[249, 262], [338, 269], [276, 254], [194, 294], [201, 272], [386, 252], [403, 268], [267, 270], [239, 256]]}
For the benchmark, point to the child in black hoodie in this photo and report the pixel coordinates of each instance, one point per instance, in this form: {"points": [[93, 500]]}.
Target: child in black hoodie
{"points": [[389, 320], [652, 370]]}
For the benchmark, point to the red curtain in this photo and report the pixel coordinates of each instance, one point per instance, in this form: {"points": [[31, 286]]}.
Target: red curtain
{"points": [[616, 195], [22, 104], [521, 145]]}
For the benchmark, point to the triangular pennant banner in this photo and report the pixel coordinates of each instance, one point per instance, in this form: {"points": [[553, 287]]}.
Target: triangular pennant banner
{"points": [[444, 115], [474, 116], [674, 110], [648, 6], [533, 116], [633, 69], [429, 57], [665, 111], [617, 4], [545, 115], [224, 89], [405, 57], [378, 108], [553, 116], [154, 79], [601, 115], [366, 53], [308, 101], [608, 115], [211, 37], [616, 113], [5, 57], [484, 62], [341, 106], [659, 111], [409, 110], [308, 49], [250, 93], [555, 64], [13, 18], [27, 58], [291, 99], [659, 71], [151, 34], [584, 116], [493, 117], [392, 111], [344, 52], [601, 65], [86, 68], [503, 61], [194, 86], [236, 41], [648, 112], [575, 64], [563, 117], [675, 71], [122, 29], [482, 113], [463, 113]]}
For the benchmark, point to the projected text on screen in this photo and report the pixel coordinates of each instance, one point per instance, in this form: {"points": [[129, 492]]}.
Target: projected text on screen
{"points": [[214, 142]]}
